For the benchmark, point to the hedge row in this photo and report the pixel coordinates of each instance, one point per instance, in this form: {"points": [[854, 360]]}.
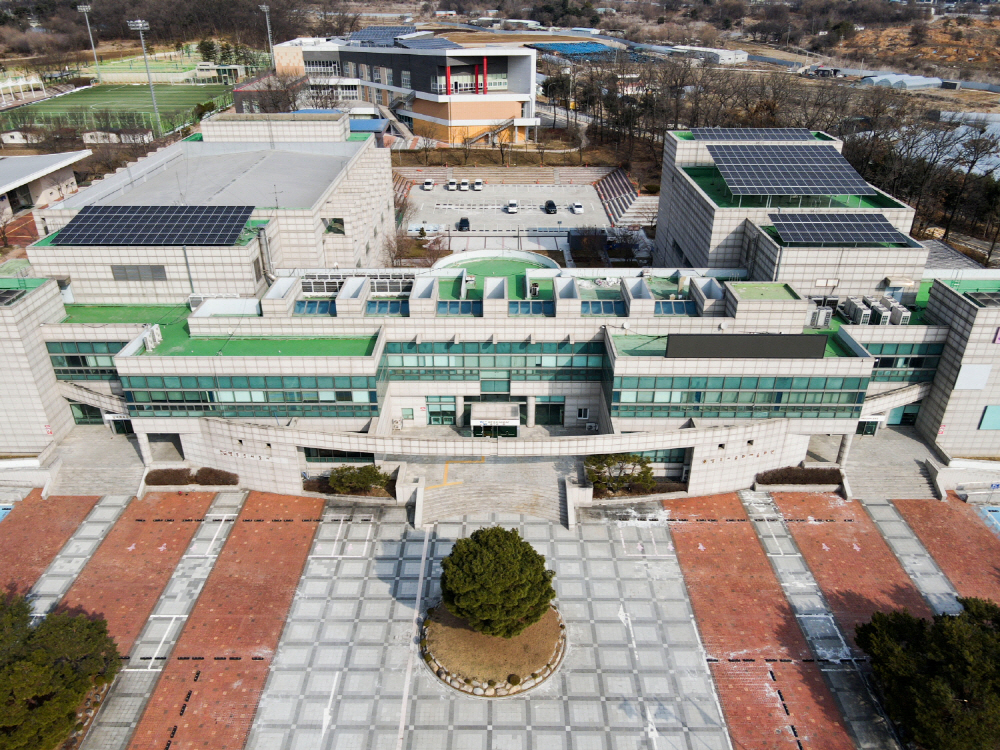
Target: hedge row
{"points": [[798, 475], [205, 476]]}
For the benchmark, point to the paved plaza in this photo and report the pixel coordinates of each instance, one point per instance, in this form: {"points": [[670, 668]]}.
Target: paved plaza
{"points": [[347, 672]]}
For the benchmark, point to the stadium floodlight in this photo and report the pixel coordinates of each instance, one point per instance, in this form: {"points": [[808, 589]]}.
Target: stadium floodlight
{"points": [[267, 18], [141, 26], [85, 9]]}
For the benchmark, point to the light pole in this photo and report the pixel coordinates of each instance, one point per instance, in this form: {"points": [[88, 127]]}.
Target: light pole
{"points": [[142, 26], [85, 9], [267, 18]]}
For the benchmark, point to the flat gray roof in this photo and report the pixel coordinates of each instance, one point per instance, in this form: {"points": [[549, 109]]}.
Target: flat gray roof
{"points": [[20, 170], [188, 173], [259, 178]]}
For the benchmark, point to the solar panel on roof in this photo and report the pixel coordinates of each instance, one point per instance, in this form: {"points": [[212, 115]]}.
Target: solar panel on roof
{"points": [[10, 296], [436, 43], [838, 229], [155, 225], [383, 32], [787, 170], [751, 134]]}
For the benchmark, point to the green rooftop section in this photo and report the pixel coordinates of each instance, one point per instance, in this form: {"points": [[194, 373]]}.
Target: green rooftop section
{"points": [[195, 137], [21, 283], [709, 179], [137, 314], [613, 293], [662, 288], [47, 241], [451, 289], [514, 270], [763, 291], [833, 347], [638, 345], [358, 136], [683, 135], [177, 342]]}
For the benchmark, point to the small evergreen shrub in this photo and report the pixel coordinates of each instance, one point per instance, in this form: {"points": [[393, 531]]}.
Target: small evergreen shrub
{"points": [[163, 477], [357, 480], [215, 477], [514, 679]]}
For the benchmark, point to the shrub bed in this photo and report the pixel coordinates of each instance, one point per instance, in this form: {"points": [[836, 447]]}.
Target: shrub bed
{"points": [[798, 475], [363, 481], [205, 477]]}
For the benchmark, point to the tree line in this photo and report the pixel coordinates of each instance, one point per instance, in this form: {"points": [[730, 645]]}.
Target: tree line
{"points": [[946, 170]]}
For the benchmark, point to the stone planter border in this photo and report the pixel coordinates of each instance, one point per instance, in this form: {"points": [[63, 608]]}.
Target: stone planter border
{"points": [[504, 689]]}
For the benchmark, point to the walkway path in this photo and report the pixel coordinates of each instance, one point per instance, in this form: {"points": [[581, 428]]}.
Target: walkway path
{"points": [[95, 461], [66, 566], [119, 715], [348, 673], [913, 556], [861, 711]]}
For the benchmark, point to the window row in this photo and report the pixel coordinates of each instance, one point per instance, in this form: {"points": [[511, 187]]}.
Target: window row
{"points": [[737, 397], [89, 373], [503, 347], [577, 375], [253, 410], [84, 347], [315, 307], [139, 273], [603, 307], [740, 412], [443, 360], [903, 376], [739, 383], [905, 348], [546, 308], [903, 363], [388, 307], [675, 307], [253, 381], [247, 397], [669, 456], [328, 456], [461, 307], [91, 360]]}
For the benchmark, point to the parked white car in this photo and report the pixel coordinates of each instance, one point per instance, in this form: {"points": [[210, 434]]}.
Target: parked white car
{"points": [[463, 185], [428, 184], [452, 185], [512, 206], [477, 185], [576, 208]]}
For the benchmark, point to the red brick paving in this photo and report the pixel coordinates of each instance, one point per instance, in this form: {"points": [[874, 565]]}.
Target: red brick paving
{"points": [[239, 617], [853, 565], [127, 574], [32, 535], [743, 615], [959, 540]]}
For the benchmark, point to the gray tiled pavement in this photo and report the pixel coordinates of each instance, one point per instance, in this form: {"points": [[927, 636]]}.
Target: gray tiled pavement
{"points": [[120, 713], [347, 672], [861, 712], [914, 557], [66, 566]]}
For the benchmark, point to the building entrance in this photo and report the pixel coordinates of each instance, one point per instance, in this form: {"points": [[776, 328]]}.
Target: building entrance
{"points": [[494, 420], [550, 414], [493, 431]]}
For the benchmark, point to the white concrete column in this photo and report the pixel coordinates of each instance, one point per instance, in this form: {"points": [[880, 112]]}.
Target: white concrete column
{"points": [[459, 410], [845, 449], [531, 412], [144, 451]]}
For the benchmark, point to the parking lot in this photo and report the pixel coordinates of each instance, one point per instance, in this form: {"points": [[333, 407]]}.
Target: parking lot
{"points": [[486, 211]]}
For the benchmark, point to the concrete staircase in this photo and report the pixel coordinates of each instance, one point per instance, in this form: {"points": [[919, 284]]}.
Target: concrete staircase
{"points": [[617, 193], [97, 480], [533, 487], [642, 212], [891, 482]]}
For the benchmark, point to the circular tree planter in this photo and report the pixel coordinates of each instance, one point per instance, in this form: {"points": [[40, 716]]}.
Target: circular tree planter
{"points": [[487, 666]]}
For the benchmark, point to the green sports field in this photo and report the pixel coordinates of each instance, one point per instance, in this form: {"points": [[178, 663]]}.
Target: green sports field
{"points": [[129, 98]]}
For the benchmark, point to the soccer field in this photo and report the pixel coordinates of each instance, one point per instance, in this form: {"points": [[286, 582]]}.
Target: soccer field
{"points": [[129, 98]]}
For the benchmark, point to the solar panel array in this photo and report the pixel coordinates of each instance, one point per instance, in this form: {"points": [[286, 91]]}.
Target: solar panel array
{"points": [[751, 134], [435, 43], [787, 170], [373, 33], [838, 229], [155, 225], [10, 296]]}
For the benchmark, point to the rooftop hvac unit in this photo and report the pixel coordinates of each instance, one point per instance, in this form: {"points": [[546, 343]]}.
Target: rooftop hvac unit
{"points": [[824, 316], [831, 302], [899, 316], [534, 289], [861, 315], [592, 426], [851, 306], [879, 316], [890, 302]]}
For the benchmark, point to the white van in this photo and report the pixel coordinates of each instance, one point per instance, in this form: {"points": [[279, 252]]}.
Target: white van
{"points": [[452, 185], [463, 185], [512, 206], [428, 184], [477, 185]]}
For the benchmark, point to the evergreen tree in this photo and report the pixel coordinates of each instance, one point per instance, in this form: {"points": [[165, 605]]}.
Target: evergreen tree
{"points": [[940, 677], [496, 582], [45, 672]]}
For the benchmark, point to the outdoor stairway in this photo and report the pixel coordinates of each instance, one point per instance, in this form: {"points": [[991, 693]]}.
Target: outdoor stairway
{"points": [[96, 481], [891, 482], [581, 175], [400, 186], [642, 212], [527, 486], [617, 193]]}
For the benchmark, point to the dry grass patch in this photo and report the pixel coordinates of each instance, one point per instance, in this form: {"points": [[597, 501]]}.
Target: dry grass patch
{"points": [[462, 651]]}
